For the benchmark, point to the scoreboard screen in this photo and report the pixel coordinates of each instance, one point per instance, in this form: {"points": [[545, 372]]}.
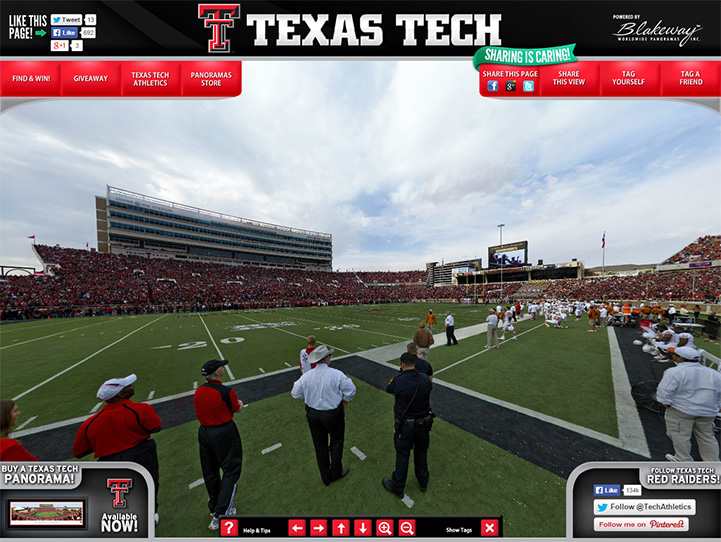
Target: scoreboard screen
{"points": [[508, 255]]}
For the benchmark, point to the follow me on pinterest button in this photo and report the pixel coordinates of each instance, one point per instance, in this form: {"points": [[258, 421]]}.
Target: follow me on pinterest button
{"points": [[640, 524]]}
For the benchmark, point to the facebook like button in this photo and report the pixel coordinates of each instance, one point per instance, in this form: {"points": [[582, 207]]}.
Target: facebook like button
{"points": [[64, 32], [607, 489]]}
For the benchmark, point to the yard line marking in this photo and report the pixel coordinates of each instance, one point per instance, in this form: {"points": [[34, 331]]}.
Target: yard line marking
{"points": [[166, 346], [84, 360], [96, 407], [357, 452], [150, 395], [407, 501], [48, 336], [630, 429], [19, 427], [304, 337], [195, 385], [482, 351], [288, 364], [271, 448], [227, 367], [261, 370], [197, 483]]}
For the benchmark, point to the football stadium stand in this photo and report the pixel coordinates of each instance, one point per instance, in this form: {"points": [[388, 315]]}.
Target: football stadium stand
{"points": [[703, 249]]}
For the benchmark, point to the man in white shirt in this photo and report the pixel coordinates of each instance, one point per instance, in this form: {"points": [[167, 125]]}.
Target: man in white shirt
{"points": [[508, 325], [691, 394], [492, 329], [450, 329], [604, 316], [326, 392]]}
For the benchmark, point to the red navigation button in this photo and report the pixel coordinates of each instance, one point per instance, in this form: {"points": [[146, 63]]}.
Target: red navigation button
{"points": [[229, 527], [489, 527], [689, 78], [296, 527], [213, 79], [362, 527], [570, 79], [89, 78], [407, 527], [341, 527], [641, 78], [29, 78], [318, 527], [384, 527], [150, 78]]}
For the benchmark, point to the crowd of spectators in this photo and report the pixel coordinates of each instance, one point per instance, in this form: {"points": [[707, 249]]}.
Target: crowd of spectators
{"points": [[92, 283], [703, 249]]}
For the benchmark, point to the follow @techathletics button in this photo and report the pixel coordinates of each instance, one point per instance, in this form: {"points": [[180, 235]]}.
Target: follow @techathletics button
{"points": [[640, 524], [644, 507]]}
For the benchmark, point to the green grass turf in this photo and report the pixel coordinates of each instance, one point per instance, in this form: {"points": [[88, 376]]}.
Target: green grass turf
{"points": [[564, 373], [46, 514], [468, 475]]}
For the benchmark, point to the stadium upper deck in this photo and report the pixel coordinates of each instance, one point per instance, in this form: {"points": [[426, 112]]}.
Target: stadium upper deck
{"points": [[130, 223]]}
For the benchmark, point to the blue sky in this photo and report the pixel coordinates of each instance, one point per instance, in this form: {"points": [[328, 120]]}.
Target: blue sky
{"points": [[403, 162]]}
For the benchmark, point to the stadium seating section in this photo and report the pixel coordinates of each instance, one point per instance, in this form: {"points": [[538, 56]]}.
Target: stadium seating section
{"points": [[703, 249]]}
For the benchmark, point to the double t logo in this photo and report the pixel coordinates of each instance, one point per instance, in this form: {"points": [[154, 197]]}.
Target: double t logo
{"points": [[219, 17], [119, 486]]}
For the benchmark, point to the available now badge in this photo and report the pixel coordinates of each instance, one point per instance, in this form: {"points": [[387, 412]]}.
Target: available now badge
{"points": [[524, 57]]}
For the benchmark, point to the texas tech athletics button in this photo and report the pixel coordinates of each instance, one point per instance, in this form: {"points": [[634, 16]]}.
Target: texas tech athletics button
{"points": [[150, 78]]}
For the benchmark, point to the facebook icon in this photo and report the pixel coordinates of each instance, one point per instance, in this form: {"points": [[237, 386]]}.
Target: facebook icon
{"points": [[492, 86]]}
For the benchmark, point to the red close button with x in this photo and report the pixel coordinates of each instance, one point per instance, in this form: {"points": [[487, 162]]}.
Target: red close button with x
{"points": [[489, 527]]}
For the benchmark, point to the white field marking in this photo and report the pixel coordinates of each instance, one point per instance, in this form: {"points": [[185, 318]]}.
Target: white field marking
{"points": [[195, 385], [271, 448], [630, 429], [407, 501], [288, 364], [304, 337], [357, 452], [482, 351], [84, 360], [19, 427], [197, 483], [261, 370], [227, 367], [353, 329], [374, 345], [166, 346], [96, 407], [48, 336], [151, 394]]}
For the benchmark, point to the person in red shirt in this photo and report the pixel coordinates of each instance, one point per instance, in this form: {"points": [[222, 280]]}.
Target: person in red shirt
{"points": [[11, 449], [220, 445], [121, 430], [305, 365]]}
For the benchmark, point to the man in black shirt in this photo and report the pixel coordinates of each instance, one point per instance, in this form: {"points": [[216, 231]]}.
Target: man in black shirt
{"points": [[412, 390], [422, 365]]}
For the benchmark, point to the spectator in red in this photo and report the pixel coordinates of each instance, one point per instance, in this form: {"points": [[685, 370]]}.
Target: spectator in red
{"points": [[11, 449]]}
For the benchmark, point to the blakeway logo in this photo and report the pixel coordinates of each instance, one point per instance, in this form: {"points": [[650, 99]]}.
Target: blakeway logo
{"points": [[119, 487], [645, 31], [219, 17]]}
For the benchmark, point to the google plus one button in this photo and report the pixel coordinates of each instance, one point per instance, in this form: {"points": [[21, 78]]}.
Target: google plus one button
{"points": [[644, 507], [640, 524]]}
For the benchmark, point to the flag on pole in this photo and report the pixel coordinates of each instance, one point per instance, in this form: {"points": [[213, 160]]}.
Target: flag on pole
{"points": [[603, 240], [31, 237]]}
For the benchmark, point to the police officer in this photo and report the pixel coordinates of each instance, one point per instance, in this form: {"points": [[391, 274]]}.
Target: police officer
{"points": [[413, 421], [421, 364], [220, 446]]}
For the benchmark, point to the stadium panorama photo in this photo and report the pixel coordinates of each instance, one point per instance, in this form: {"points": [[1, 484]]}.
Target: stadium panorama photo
{"points": [[357, 203]]}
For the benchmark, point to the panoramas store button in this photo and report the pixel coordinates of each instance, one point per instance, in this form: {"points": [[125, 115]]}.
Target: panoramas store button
{"points": [[634, 525], [690, 78], [89, 78], [29, 78], [630, 78], [150, 78], [211, 79]]}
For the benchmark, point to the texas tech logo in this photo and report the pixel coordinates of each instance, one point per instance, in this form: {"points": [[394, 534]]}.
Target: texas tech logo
{"points": [[119, 487], [219, 17]]}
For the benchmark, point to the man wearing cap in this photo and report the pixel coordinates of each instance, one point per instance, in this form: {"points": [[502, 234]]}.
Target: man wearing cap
{"points": [[691, 393], [220, 446], [305, 365], [450, 328], [121, 430], [326, 392], [424, 339], [413, 421], [421, 364], [431, 320]]}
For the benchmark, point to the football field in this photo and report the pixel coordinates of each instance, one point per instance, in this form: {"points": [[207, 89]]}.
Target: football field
{"points": [[513, 422]]}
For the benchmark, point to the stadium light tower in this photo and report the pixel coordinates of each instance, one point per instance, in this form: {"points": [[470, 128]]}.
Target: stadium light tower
{"points": [[500, 228]]}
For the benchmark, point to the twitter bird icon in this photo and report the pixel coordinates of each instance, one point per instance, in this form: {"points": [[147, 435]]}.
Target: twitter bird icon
{"points": [[602, 507]]}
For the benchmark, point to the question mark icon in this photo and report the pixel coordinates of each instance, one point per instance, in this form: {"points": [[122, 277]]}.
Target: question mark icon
{"points": [[230, 527]]}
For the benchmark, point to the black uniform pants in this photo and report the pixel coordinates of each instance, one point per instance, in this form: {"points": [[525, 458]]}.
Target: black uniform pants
{"points": [[418, 440], [220, 448], [325, 425], [450, 335], [145, 454]]}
